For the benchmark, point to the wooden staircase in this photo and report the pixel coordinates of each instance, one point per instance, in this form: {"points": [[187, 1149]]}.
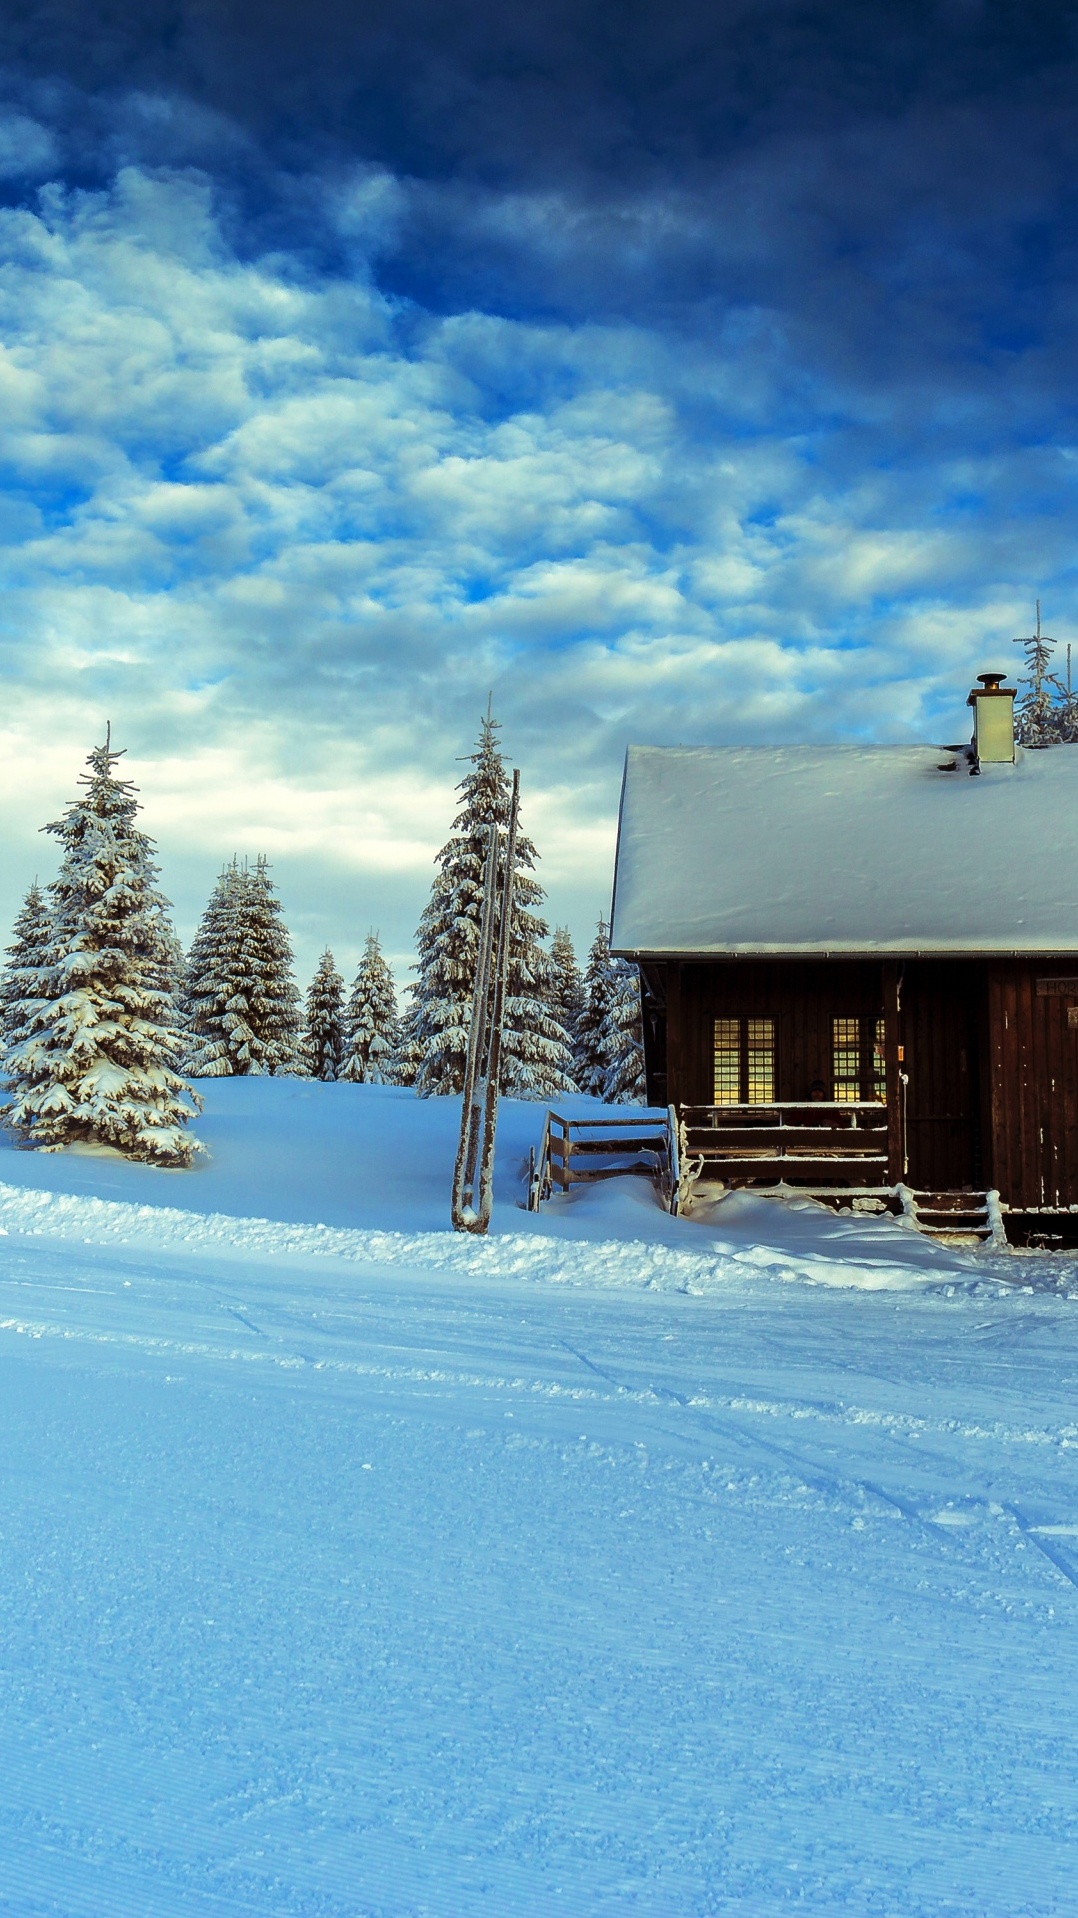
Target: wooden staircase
{"points": [[579, 1151], [955, 1218]]}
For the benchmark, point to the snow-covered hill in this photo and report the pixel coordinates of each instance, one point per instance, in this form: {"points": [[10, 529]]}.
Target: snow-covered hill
{"points": [[614, 1564]]}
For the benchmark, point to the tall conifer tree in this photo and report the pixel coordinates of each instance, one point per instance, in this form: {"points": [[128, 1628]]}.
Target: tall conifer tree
{"points": [[371, 1022], [97, 1061], [325, 1021], [621, 1037], [566, 983], [22, 981], [241, 998], [590, 1062], [535, 1051]]}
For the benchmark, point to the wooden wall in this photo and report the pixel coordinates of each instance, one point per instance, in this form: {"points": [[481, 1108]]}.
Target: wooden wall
{"points": [[992, 1065], [1034, 1084], [802, 997]]}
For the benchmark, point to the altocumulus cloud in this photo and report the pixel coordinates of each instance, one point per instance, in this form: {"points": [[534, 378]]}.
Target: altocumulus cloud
{"points": [[286, 521]]}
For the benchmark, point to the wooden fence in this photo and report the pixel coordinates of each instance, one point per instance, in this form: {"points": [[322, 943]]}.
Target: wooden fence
{"points": [[813, 1142]]}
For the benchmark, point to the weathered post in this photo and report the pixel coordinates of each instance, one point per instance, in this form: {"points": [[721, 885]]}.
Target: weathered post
{"points": [[479, 1100]]}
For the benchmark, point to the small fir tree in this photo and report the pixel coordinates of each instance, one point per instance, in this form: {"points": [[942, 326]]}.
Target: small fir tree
{"points": [[22, 982], [566, 982], [241, 998], [96, 1062], [1045, 713], [590, 1062], [621, 1037], [210, 983], [325, 1021], [535, 1051], [371, 1022]]}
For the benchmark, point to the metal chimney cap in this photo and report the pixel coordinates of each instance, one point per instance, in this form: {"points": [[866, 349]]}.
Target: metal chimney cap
{"points": [[991, 686]]}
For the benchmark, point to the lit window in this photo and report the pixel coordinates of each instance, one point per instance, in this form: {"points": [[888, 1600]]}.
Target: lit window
{"points": [[858, 1060], [846, 1060], [744, 1060], [727, 1062], [760, 1061]]}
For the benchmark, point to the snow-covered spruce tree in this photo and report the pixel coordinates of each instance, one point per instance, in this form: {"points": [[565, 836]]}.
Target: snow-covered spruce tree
{"points": [[1046, 712], [324, 1039], [590, 1061], [566, 982], [621, 1037], [21, 983], [241, 999], [97, 1063], [371, 1023], [535, 1052], [209, 982]]}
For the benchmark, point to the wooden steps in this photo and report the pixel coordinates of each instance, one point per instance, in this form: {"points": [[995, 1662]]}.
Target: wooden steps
{"points": [[579, 1151]]}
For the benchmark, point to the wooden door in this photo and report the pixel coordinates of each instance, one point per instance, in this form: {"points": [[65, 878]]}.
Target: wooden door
{"points": [[942, 1021]]}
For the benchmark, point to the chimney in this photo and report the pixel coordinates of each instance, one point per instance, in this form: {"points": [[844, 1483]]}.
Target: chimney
{"points": [[993, 720]]}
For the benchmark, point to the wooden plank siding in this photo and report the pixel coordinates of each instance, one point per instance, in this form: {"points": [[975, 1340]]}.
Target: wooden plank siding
{"points": [[1033, 1053], [943, 1034], [992, 1065], [802, 998]]}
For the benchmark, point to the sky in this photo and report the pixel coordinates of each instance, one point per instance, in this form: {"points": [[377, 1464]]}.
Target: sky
{"points": [[693, 374]]}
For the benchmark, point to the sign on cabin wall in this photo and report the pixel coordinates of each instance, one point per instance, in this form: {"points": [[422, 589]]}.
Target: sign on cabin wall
{"points": [[1057, 989]]}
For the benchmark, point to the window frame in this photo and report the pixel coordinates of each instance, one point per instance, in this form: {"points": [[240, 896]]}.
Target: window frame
{"points": [[751, 1046], [869, 1082]]}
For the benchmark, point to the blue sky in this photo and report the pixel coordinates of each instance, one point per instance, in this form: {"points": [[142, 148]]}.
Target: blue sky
{"points": [[698, 374]]}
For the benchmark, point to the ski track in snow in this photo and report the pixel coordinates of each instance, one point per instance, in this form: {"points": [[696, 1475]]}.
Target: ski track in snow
{"points": [[384, 1574]]}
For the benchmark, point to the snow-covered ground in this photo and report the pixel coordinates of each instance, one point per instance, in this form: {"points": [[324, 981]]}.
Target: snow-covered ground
{"points": [[613, 1564]]}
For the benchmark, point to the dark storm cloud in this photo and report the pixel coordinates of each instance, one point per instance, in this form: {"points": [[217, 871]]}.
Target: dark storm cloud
{"points": [[536, 90], [569, 157]]}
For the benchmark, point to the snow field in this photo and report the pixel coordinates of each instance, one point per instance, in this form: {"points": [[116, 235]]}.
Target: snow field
{"points": [[369, 1571]]}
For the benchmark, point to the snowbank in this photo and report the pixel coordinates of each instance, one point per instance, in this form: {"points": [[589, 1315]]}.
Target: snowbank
{"points": [[361, 1174]]}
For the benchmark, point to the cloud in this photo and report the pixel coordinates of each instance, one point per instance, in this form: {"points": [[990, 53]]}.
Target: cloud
{"points": [[304, 450]]}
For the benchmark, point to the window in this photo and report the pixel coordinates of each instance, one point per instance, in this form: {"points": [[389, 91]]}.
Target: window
{"points": [[858, 1060], [846, 1060], [727, 1062], [879, 1061], [744, 1062]]}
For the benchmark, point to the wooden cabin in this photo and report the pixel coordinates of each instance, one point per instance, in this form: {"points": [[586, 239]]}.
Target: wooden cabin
{"points": [[859, 964]]}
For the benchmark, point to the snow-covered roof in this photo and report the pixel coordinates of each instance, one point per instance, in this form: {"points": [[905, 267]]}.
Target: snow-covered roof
{"points": [[845, 849]]}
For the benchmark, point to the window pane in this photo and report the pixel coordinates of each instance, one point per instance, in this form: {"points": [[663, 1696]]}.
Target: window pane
{"points": [[761, 1061], [879, 1062], [846, 1059], [727, 1062]]}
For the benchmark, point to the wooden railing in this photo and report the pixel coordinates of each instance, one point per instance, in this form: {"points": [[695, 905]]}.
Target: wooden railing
{"points": [[804, 1142], [578, 1151]]}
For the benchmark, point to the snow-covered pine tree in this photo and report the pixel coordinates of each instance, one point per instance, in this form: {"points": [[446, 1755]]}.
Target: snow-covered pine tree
{"points": [[97, 1062], [1043, 713], [209, 982], [590, 1062], [21, 983], [241, 1000], [535, 1052], [566, 982], [371, 1023], [324, 1040], [621, 1037]]}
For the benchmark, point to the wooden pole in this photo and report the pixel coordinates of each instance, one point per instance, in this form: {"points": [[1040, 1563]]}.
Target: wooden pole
{"points": [[497, 1021], [894, 1068], [471, 1105]]}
